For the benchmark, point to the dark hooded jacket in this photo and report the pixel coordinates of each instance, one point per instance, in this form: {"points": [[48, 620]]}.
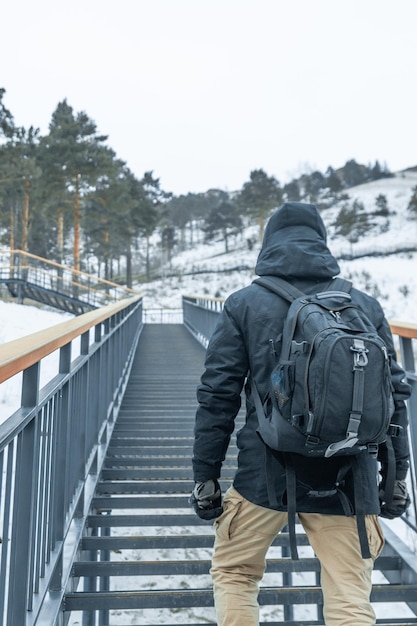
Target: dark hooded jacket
{"points": [[244, 341]]}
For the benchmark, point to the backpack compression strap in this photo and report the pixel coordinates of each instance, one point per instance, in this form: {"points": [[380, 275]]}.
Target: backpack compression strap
{"points": [[360, 362]]}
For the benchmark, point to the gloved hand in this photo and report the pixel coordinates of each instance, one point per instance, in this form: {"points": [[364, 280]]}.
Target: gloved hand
{"points": [[206, 499], [400, 501]]}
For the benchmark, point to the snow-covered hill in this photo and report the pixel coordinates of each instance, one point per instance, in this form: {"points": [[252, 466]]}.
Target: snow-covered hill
{"points": [[206, 270]]}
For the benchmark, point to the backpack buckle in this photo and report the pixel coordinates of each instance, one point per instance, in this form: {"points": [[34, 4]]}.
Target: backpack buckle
{"points": [[322, 493], [312, 440], [298, 347], [360, 359], [372, 449], [395, 430]]}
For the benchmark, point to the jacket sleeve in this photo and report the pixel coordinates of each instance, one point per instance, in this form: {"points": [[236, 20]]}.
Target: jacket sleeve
{"points": [[219, 397], [401, 392]]}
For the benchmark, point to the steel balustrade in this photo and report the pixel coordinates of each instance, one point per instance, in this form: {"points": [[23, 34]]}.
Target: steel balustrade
{"points": [[407, 337], [201, 315], [52, 449], [29, 276]]}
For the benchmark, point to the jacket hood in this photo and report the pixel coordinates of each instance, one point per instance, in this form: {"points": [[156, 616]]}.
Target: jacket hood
{"points": [[294, 245]]}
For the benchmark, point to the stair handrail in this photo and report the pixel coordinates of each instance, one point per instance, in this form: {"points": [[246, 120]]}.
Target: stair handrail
{"points": [[19, 354], [52, 449], [17, 262]]}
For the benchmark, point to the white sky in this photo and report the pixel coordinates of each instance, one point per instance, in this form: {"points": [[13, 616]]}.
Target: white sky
{"points": [[202, 93]]}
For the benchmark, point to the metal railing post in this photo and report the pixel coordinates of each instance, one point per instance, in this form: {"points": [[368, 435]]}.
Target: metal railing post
{"points": [[408, 363], [21, 553]]}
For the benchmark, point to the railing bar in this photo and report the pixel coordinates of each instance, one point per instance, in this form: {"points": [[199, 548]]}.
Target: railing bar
{"points": [[5, 551], [45, 479]]}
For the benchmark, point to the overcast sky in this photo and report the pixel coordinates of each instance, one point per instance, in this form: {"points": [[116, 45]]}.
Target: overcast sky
{"points": [[203, 92]]}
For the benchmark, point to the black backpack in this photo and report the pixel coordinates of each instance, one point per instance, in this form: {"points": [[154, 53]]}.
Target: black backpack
{"points": [[330, 393]]}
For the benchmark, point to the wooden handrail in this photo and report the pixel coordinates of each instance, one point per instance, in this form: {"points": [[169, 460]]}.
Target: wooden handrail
{"points": [[21, 353], [404, 329]]}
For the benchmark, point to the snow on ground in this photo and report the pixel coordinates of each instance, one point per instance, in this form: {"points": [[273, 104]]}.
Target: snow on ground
{"points": [[17, 320]]}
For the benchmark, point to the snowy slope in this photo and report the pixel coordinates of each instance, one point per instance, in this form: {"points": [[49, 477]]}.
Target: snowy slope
{"points": [[392, 278]]}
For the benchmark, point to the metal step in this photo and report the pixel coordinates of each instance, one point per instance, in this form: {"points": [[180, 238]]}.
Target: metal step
{"points": [[399, 622], [183, 598], [149, 442], [120, 442], [147, 473], [141, 529], [163, 542], [166, 462], [201, 567], [134, 521]]}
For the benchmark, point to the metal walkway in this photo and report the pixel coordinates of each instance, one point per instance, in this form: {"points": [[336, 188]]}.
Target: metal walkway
{"points": [[146, 556], [28, 276]]}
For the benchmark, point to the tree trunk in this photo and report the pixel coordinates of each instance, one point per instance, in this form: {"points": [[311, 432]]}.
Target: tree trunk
{"points": [[261, 223], [60, 234], [11, 238], [148, 268], [106, 254], [129, 279], [226, 240], [25, 216], [77, 264]]}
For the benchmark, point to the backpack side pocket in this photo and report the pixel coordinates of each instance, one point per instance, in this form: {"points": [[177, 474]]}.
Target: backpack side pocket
{"points": [[282, 383]]}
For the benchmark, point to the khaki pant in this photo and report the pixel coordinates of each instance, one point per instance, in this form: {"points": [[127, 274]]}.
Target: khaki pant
{"points": [[244, 533]]}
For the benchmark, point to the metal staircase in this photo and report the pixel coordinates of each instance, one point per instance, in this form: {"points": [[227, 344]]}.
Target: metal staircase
{"points": [[145, 557], [28, 276]]}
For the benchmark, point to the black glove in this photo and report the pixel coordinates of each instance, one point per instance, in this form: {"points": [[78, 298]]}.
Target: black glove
{"points": [[206, 499], [400, 501]]}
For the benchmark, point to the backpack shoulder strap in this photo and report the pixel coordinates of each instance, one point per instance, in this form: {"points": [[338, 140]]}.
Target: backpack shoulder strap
{"points": [[287, 291], [279, 286], [341, 284]]}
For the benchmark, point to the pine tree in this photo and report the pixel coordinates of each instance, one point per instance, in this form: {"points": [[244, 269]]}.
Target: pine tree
{"points": [[354, 174], [352, 222], [76, 157], [223, 217], [412, 205], [291, 191], [381, 203], [313, 183], [333, 181], [259, 196], [19, 173], [149, 211], [7, 127]]}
